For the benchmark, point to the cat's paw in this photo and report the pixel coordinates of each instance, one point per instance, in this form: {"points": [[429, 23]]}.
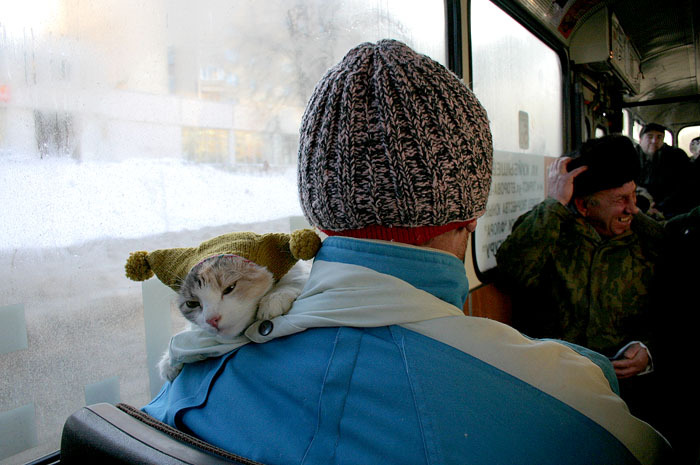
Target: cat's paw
{"points": [[276, 303], [168, 372]]}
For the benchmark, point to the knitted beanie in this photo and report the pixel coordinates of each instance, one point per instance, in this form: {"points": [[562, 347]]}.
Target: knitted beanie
{"points": [[612, 161], [393, 146], [277, 252]]}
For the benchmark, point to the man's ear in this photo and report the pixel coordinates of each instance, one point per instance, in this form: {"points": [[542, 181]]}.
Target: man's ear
{"points": [[580, 205]]}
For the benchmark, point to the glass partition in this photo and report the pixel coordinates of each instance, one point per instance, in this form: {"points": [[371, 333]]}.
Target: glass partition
{"points": [[137, 125], [518, 79]]}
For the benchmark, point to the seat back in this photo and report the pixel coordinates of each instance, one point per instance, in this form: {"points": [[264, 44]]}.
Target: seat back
{"points": [[108, 434]]}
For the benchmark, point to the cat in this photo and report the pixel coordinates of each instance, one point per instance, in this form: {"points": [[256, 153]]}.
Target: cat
{"points": [[226, 294]]}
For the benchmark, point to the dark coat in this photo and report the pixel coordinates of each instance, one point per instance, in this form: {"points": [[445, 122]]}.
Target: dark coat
{"points": [[665, 176]]}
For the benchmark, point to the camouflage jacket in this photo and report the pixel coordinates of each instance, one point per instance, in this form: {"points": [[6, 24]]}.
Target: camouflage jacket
{"points": [[569, 283]]}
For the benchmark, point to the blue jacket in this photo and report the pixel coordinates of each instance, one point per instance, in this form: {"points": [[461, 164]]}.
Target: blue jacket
{"points": [[376, 363]]}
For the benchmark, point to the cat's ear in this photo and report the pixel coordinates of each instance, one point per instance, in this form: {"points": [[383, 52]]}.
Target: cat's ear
{"points": [[252, 271]]}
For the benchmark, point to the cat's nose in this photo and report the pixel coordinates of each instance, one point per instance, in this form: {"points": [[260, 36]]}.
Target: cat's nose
{"points": [[214, 321]]}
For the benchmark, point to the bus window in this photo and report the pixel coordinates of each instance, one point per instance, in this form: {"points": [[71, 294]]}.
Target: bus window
{"points": [[668, 137], [518, 79], [136, 125], [686, 135], [636, 129], [587, 126]]}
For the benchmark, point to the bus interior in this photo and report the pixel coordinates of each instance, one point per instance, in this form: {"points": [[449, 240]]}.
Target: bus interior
{"points": [[137, 125]]}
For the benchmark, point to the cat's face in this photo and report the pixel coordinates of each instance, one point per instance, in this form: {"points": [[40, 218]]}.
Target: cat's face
{"points": [[221, 294]]}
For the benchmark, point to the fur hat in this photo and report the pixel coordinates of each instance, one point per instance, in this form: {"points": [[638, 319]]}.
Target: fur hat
{"points": [[612, 161], [393, 146], [277, 252]]}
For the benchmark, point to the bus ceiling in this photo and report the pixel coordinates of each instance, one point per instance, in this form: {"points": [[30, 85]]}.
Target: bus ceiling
{"points": [[650, 47]]}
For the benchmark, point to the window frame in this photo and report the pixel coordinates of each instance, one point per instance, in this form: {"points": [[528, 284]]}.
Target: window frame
{"points": [[569, 131]]}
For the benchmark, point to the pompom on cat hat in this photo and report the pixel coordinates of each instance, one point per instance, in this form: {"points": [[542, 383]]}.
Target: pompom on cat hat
{"points": [[278, 252], [393, 146]]}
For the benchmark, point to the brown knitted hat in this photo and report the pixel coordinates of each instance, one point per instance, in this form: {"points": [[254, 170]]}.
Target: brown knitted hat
{"points": [[393, 146], [278, 252]]}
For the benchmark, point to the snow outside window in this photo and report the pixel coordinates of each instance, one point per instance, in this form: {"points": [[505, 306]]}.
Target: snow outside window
{"points": [[130, 125]]}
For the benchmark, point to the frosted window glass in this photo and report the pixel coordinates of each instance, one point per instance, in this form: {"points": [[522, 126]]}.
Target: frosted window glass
{"points": [[513, 71], [17, 430], [518, 79], [130, 125], [13, 329], [106, 390]]}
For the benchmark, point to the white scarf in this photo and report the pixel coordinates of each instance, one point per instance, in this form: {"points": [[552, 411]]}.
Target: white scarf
{"points": [[336, 294]]}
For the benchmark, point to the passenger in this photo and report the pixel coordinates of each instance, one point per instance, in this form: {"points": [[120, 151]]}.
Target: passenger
{"points": [[581, 265], [586, 254], [678, 334], [694, 149], [691, 189], [663, 172], [376, 362], [686, 194]]}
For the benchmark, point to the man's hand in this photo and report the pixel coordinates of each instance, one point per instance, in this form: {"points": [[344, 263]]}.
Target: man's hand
{"points": [[634, 361], [560, 182]]}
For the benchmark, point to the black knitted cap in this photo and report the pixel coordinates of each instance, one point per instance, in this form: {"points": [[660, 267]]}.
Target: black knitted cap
{"points": [[652, 127], [612, 161], [392, 141]]}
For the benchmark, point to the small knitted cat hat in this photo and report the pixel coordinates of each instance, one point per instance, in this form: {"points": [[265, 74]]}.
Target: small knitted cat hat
{"points": [[393, 146], [276, 251]]}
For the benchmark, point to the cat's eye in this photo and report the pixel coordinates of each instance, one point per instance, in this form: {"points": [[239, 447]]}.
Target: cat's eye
{"points": [[229, 289], [192, 304]]}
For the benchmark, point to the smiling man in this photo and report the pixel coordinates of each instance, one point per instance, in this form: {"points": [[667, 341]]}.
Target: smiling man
{"points": [[580, 264]]}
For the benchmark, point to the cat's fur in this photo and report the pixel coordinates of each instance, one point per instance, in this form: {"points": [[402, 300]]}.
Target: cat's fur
{"points": [[226, 294]]}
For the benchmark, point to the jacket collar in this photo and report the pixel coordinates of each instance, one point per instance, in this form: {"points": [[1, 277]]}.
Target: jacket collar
{"points": [[438, 273], [353, 282]]}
